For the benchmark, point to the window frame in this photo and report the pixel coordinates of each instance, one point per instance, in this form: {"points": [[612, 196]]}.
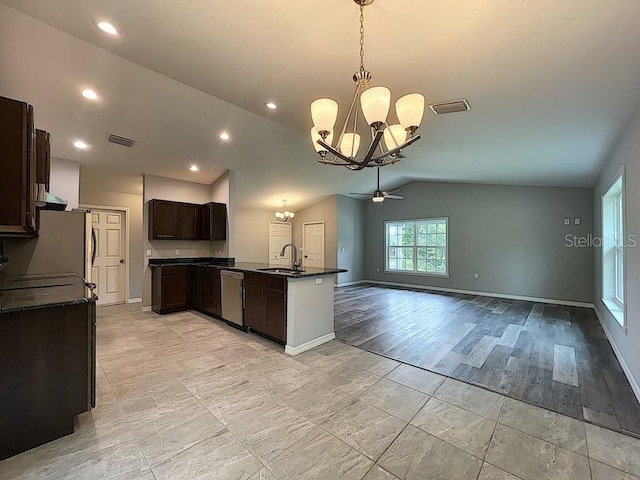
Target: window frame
{"points": [[415, 247], [613, 251]]}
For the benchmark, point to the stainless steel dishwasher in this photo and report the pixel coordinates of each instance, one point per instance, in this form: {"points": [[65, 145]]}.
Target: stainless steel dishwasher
{"points": [[233, 297]]}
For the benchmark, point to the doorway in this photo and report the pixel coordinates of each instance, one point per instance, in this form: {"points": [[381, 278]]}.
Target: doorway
{"points": [[110, 268], [279, 236], [313, 244]]}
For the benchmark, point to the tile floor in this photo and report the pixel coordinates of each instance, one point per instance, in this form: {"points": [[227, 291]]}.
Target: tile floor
{"points": [[185, 397]]}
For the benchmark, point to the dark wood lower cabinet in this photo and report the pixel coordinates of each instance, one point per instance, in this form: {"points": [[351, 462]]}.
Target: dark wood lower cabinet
{"points": [[171, 289], [266, 305], [47, 373], [176, 288]]}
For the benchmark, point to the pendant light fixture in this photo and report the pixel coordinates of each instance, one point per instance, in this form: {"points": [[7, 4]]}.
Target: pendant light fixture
{"points": [[374, 102], [284, 214]]}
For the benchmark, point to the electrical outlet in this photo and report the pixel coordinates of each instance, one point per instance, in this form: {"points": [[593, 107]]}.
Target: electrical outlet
{"points": [[378, 270], [177, 251], [343, 250], [148, 252], [476, 275], [567, 221], [577, 221]]}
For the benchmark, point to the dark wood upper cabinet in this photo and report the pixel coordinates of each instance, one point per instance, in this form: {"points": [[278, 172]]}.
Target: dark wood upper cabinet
{"points": [[188, 220], [162, 220], [18, 177], [43, 158]]}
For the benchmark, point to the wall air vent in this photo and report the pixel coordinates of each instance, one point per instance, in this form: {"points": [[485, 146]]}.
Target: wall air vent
{"points": [[120, 140], [454, 106]]}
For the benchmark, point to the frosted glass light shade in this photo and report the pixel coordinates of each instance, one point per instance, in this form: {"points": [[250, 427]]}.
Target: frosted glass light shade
{"points": [[350, 144], [410, 110], [315, 136], [324, 113], [375, 102], [377, 198], [394, 136]]}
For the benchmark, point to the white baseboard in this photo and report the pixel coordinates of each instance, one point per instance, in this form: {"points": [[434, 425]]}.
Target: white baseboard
{"points": [[625, 368], [347, 284], [309, 345], [554, 301], [146, 309], [135, 300]]}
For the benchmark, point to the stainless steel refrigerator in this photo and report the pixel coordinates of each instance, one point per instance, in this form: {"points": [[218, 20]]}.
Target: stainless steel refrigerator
{"points": [[65, 244]]}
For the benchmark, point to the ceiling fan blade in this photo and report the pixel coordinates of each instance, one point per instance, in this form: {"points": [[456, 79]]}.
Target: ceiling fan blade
{"points": [[363, 194], [394, 197], [391, 192]]}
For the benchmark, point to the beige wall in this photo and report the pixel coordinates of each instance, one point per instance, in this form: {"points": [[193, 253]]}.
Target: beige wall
{"points": [[221, 191], [252, 235], [65, 181], [326, 210], [103, 188]]}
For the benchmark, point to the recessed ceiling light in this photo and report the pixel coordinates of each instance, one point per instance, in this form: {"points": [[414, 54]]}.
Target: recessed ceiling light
{"points": [[224, 136], [271, 105], [107, 27], [89, 94], [80, 145], [194, 168]]}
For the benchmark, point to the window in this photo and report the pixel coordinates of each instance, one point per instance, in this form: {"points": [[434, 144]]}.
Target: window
{"points": [[417, 246], [613, 246]]}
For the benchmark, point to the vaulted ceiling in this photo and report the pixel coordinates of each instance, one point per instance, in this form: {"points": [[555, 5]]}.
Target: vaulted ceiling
{"points": [[550, 83]]}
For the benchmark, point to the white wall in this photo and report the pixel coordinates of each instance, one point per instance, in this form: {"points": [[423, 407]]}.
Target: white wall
{"points": [[626, 152], [65, 181], [221, 191], [252, 235]]}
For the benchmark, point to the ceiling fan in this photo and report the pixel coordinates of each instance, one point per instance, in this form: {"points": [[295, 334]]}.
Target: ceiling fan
{"points": [[379, 196]]}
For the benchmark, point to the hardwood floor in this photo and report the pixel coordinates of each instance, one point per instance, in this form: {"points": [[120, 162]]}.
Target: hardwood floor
{"points": [[552, 356]]}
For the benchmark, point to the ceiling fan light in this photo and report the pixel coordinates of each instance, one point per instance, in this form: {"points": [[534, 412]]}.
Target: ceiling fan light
{"points": [[324, 113], [410, 110], [394, 136], [350, 144], [315, 136], [375, 102], [378, 197]]}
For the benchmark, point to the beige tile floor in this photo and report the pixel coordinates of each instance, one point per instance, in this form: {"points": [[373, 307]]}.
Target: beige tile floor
{"points": [[185, 397]]}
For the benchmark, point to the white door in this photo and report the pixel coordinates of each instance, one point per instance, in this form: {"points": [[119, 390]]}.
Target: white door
{"points": [[108, 271], [313, 246], [279, 236]]}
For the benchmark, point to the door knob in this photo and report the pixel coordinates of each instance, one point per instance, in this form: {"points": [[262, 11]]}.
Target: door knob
{"points": [[122, 260]]}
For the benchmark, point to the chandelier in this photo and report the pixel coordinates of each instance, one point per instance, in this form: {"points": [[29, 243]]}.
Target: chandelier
{"points": [[375, 103], [284, 215]]}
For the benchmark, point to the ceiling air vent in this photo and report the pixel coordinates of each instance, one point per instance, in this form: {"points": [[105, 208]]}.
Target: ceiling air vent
{"points": [[120, 140], [450, 107]]}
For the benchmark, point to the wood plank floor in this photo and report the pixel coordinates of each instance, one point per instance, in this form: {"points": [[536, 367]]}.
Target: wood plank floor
{"points": [[552, 356]]}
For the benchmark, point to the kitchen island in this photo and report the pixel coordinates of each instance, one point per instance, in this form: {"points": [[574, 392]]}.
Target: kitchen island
{"points": [[291, 307]]}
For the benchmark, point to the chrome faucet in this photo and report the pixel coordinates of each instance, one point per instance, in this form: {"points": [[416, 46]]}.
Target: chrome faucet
{"points": [[296, 263]]}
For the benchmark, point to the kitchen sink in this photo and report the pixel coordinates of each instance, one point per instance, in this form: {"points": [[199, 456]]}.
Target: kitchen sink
{"points": [[285, 271]]}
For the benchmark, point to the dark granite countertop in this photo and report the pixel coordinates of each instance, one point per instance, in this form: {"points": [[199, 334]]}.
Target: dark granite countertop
{"points": [[245, 267], [19, 293]]}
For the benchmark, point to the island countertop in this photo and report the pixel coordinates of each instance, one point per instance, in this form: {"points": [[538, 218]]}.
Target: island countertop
{"points": [[264, 268]]}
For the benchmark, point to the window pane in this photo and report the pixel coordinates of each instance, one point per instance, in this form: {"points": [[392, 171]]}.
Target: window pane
{"points": [[619, 274], [408, 234]]}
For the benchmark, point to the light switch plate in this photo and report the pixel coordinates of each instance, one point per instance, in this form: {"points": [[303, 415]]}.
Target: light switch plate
{"points": [[567, 221], [319, 281], [577, 221], [177, 251], [148, 252]]}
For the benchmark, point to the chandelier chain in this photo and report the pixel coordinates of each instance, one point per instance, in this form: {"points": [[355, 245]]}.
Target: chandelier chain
{"points": [[362, 37]]}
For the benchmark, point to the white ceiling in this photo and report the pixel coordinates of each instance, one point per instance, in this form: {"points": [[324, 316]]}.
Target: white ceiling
{"points": [[551, 84]]}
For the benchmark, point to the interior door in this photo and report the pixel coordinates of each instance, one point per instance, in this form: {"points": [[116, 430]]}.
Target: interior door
{"points": [[313, 244], [109, 269], [279, 236]]}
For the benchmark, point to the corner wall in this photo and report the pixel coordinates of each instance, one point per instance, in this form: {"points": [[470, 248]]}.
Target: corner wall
{"points": [[626, 152], [514, 237], [326, 210], [351, 238], [65, 181]]}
